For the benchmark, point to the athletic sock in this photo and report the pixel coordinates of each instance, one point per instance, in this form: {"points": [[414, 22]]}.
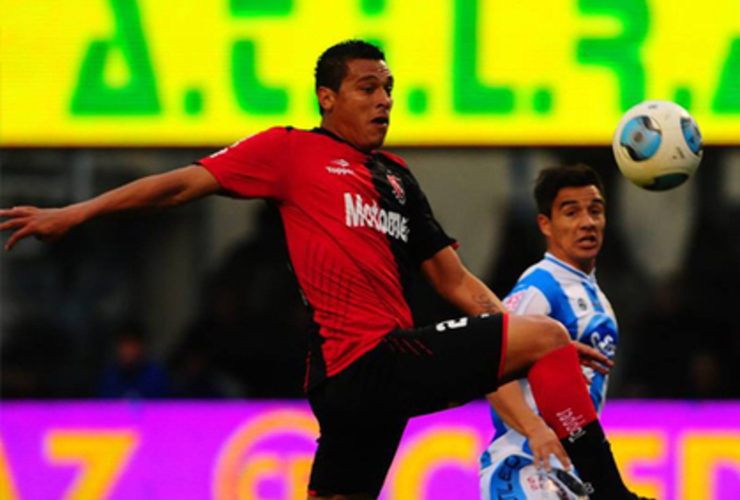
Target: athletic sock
{"points": [[559, 389]]}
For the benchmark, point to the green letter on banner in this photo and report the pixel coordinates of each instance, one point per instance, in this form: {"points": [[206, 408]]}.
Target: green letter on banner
{"points": [[727, 99], [251, 95], [93, 95], [470, 96], [621, 53]]}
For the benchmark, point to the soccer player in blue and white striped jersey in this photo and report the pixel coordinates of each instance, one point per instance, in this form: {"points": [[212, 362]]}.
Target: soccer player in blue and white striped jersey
{"points": [[571, 216]]}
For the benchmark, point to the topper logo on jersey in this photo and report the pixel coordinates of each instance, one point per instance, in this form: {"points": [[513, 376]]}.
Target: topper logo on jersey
{"points": [[361, 214], [339, 167], [339, 170]]}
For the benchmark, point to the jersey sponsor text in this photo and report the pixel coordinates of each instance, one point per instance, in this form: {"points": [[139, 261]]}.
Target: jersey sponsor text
{"points": [[360, 214]]}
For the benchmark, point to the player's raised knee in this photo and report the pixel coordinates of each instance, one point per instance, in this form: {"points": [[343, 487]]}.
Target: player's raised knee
{"points": [[530, 338], [543, 333], [554, 334]]}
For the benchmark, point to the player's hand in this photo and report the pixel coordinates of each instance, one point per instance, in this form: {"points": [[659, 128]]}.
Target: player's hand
{"points": [[592, 358], [46, 224], [544, 442]]}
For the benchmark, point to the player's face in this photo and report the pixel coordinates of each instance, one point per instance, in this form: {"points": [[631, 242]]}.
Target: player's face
{"points": [[575, 228], [360, 112]]}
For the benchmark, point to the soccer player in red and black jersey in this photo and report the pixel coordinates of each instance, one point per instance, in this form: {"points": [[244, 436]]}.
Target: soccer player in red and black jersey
{"points": [[357, 226]]}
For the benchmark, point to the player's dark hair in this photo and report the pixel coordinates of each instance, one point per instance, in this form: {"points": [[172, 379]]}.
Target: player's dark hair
{"points": [[331, 68], [551, 180]]}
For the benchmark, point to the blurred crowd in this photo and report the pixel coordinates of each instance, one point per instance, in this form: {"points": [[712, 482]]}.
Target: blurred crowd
{"points": [[247, 340], [247, 337]]}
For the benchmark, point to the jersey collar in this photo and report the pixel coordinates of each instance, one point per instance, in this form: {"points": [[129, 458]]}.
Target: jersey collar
{"points": [[332, 135], [590, 277]]}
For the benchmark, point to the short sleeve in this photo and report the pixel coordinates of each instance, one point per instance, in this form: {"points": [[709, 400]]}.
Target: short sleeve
{"points": [[253, 167], [427, 236], [527, 299]]}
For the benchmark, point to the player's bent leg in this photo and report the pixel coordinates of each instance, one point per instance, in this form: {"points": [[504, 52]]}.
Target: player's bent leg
{"points": [[541, 349], [528, 339], [552, 365]]}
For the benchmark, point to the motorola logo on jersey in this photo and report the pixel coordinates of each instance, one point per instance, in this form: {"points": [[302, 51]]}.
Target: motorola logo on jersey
{"points": [[360, 214]]}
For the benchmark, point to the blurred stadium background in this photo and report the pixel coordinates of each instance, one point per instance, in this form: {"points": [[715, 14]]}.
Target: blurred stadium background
{"points": [[95, 93]]}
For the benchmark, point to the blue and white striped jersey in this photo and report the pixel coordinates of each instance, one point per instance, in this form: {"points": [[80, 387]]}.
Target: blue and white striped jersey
{"points": [[559, 290]]}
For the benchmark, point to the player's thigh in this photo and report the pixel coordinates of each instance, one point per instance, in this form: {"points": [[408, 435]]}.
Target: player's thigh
{"points": [[529, 338], [352, 460], [359, 431], [446, 364]]}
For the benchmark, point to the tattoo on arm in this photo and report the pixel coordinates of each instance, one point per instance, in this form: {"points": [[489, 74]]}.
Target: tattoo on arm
{"points": [[486, 304]]}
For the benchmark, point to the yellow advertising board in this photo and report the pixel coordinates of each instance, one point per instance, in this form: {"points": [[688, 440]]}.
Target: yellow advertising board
{"points": [[468, 72]]}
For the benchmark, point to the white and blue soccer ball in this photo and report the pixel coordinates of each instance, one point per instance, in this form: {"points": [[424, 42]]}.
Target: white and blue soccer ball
{"points": [[657, 145]]}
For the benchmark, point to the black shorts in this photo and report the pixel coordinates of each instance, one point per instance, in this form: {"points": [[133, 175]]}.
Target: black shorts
{"points": [[363, 410]]}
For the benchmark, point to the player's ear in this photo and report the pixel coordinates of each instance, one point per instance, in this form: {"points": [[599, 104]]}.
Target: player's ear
{"points": [[326, 97], [544, 223]]}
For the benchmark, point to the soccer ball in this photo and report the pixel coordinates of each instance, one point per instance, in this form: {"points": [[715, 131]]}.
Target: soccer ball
{"points": [[657, 145]]}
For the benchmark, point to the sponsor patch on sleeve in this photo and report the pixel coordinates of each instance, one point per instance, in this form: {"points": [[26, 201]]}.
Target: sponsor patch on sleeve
{"points": [[511, 302]]}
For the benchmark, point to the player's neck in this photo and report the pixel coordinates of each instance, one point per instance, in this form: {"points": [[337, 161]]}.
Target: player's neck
{"points": [[586, 266], [338, 133]]}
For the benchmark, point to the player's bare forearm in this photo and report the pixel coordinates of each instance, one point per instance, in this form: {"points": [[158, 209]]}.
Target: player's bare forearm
{"points": [[475, 298], [457, 285], [511, 406], [153, 192]]}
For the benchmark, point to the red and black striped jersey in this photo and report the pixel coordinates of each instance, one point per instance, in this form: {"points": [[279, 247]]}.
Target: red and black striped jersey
{"points": [[357, 226]]}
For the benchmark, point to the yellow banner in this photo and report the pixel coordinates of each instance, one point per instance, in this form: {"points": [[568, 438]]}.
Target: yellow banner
{"points": [[468, 72]]}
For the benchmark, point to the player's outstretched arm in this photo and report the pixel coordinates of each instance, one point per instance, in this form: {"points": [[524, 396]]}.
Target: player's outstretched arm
{"points": [[153, 192], [451, 279], [510, 405]]}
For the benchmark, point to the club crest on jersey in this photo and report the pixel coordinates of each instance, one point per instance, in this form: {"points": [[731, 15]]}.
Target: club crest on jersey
{"points": [[397, 188]]}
